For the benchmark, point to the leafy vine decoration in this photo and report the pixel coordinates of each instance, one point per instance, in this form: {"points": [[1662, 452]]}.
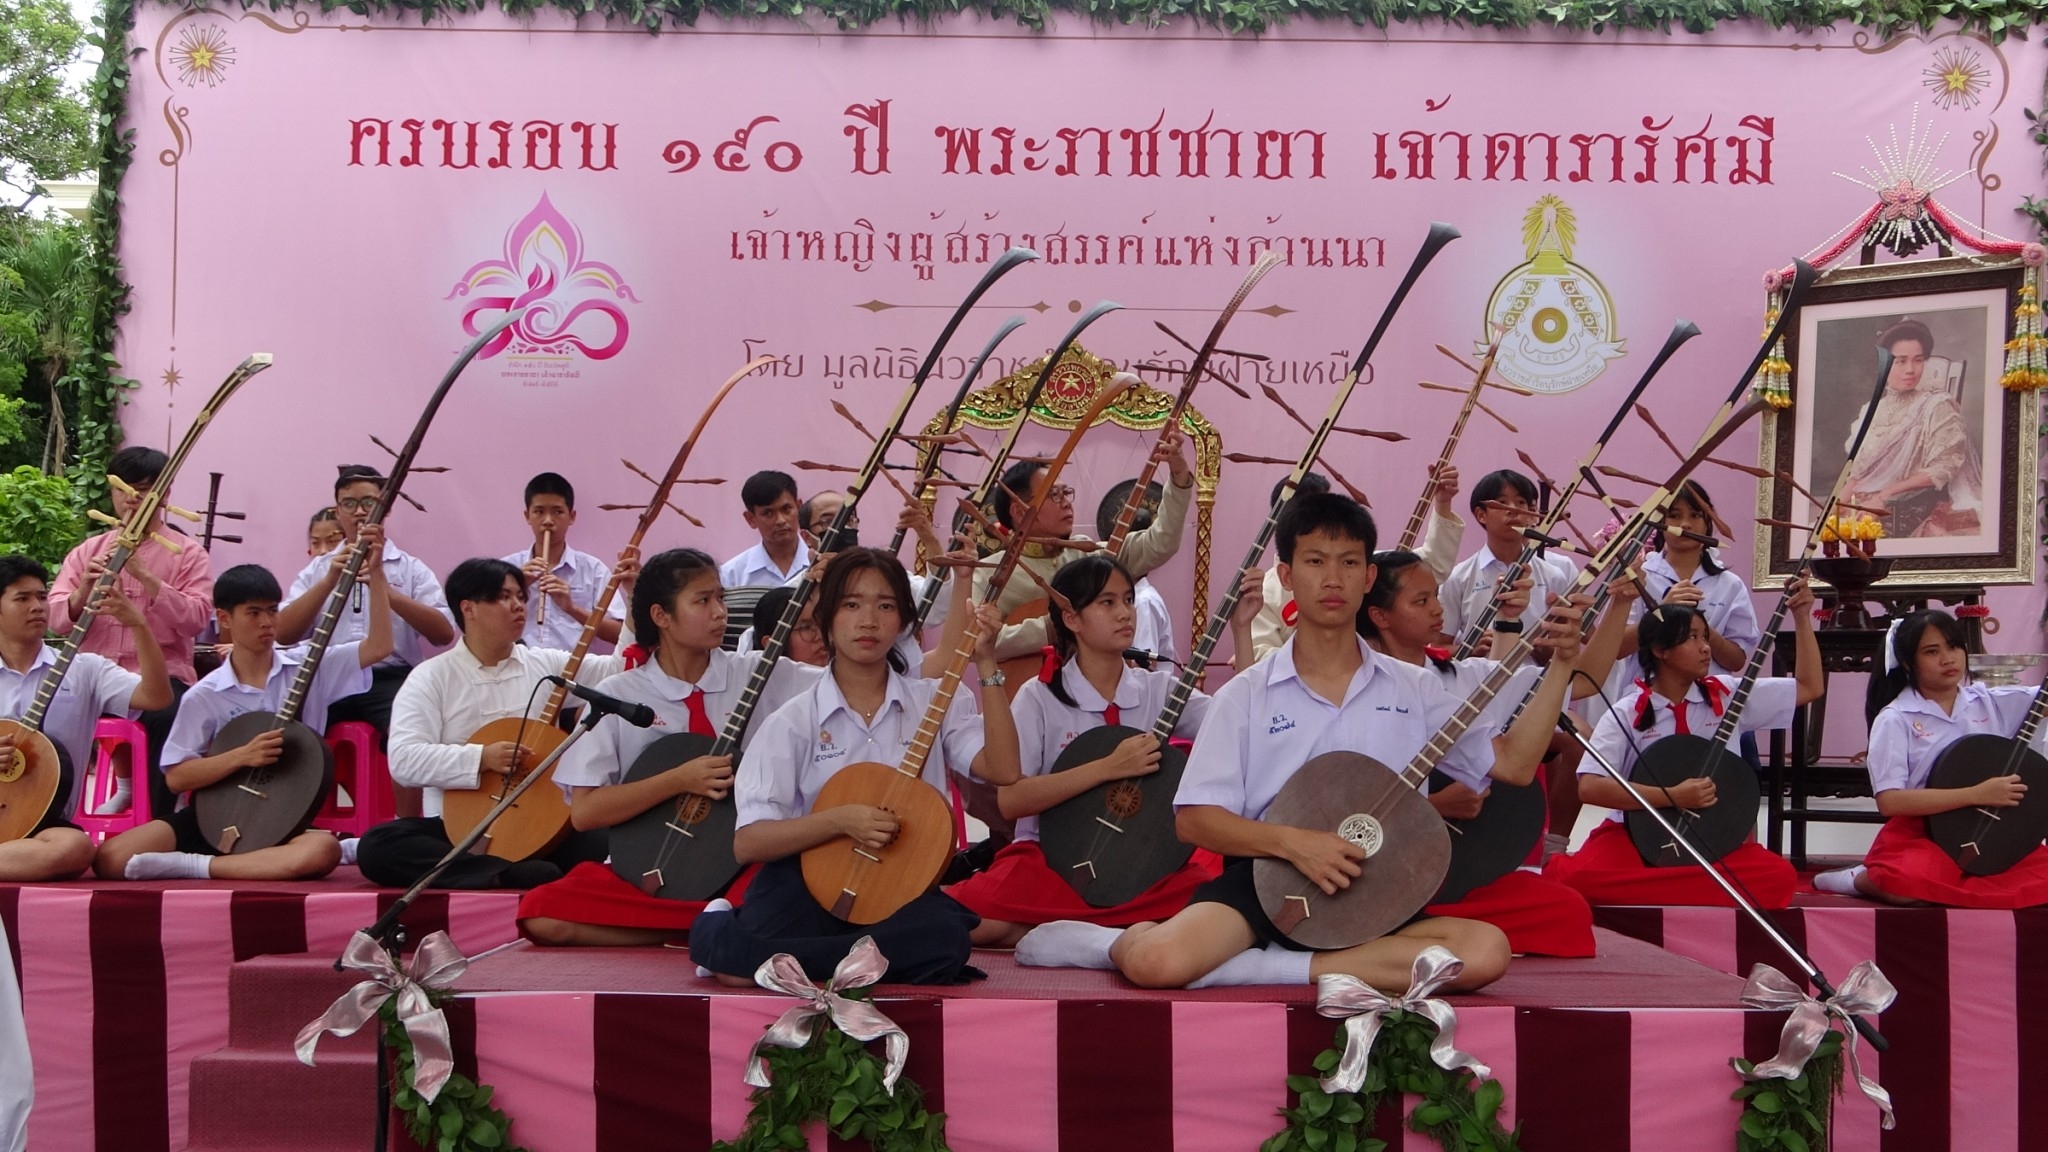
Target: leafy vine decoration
{"points": [[1458, 1111]]}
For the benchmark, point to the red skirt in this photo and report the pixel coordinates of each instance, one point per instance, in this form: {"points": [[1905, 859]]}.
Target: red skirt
{"points": [[1020, 888], [594, 894], [1609, 870], [1904, 863], [1540, 916]]}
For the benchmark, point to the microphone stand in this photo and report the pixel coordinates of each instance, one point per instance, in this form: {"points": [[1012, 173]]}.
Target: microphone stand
{"points": [[1763, 919], [391, 934]]}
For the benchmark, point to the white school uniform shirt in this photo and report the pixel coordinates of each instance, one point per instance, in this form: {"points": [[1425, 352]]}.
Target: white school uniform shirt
{"points": [[816, 734], [407, 575], [1464, 678], [753, 568], [586, 577], [1265, 724], [1470, 587], [1910, 734], [1155, 623], [1615, 739], [1725, 603], [219, 697], [603, 756], [1045, 726], [449, 696], [92, 687]]}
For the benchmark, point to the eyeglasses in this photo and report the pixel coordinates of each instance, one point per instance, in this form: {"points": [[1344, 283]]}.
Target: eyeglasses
{"points": [[1060, 493], [808, 629], [358, 503]]}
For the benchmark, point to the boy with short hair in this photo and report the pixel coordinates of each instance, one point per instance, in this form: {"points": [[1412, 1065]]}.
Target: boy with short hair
{"points": [[772, 510], [571, 580], [1503, 503], [254, 678], [56, 849], [172, 589], [1324, 690]]}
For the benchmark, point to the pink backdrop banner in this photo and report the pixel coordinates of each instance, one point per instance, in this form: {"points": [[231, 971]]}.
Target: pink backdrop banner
{"points": [[354, 195]]}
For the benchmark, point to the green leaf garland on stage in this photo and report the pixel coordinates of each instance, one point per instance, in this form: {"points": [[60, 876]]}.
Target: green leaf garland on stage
{"points": [[835, 1080], [1791, 1114], [461, 1118], [1458, 1110]]}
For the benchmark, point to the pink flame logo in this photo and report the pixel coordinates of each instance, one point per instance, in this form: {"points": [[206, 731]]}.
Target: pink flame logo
{"points": [[569, 299]]}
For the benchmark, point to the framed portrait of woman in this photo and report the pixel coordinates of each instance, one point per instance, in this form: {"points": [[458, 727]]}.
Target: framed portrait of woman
{"points": [[1950, 465]]}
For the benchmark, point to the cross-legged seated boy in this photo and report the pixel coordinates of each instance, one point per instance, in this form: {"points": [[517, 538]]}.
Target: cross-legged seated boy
{"points": [[56, 849], [863, 709], [1323, 691], [254, 678]]}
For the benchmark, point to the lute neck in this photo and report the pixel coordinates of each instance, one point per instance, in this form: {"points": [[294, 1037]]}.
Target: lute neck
{"points": [[1461, 721]]}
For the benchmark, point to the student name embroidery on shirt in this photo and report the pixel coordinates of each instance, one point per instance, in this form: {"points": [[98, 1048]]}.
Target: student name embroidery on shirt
{"points": [[1279, 723]]}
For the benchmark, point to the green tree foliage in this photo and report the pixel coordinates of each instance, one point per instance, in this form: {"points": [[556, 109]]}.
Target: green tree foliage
{"points": [[46, 127], [45, 318], [38, 515]]}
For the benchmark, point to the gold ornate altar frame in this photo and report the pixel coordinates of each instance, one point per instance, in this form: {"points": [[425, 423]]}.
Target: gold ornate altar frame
{"points": [[1069, 393]]}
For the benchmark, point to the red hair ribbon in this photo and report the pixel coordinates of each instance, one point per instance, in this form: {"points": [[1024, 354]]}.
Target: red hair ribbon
{"points": [[634, 655], [1289, 613], [1049, 665]]}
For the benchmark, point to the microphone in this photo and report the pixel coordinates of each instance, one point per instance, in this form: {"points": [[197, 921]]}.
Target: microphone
{"points": [[638, 715], [1146, 658]]}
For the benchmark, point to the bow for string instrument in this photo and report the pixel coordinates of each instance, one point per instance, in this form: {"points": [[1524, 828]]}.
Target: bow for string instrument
{"points": [[261, 807], [1196, 371], [928, 472], [683, 850], [1723, 826], [985, 491], [1681, 331], [863, 887], [35, 774], [538, 820], [1412, 531]]}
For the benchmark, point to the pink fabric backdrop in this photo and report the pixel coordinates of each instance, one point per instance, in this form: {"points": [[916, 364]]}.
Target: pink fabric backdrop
{"points": [[280, 202]]}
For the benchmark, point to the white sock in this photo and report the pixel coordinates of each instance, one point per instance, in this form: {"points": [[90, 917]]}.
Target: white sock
{"points": [[717, 904], [348, 848], [168, 866], [1841, 882], [1269, 965], [1067, 944], [117, 803]]}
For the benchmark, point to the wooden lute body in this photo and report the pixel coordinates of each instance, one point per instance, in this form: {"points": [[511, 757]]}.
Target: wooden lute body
{"points": [[32, 776], [1117, 839], [539, 819], [1987, 841], [863, 887]]}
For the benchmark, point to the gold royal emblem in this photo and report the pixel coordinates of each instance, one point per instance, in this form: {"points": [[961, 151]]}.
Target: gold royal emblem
{"points": [[1558, 317]]}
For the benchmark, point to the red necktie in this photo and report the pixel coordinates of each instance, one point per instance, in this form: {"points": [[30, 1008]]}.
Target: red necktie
{"points": [[700, 722], [1711, 688], [1111, 715]]}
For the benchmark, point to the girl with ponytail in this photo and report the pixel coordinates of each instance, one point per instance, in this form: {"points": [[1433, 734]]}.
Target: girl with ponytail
{"points": [[1084, 685], [1680, 693], [1926, 701]]}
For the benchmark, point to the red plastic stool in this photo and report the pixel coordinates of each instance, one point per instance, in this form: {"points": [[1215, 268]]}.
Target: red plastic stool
{"points": [[361, 771], [109, 734]]}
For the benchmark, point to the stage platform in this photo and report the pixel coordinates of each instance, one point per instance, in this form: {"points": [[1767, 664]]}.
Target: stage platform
{"points": [[161, 1016]]}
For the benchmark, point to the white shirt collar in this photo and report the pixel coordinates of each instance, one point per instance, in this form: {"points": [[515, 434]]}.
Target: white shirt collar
{"points": [[1912, 701], [713, 680], [831, 700], [1130, 688], [1284, 669]]}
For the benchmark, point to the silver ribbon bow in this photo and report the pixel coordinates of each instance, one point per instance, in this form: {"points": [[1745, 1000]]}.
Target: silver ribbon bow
{"points": [[437, 963], [1362, 1007], [1865, 990], [863, 966]]}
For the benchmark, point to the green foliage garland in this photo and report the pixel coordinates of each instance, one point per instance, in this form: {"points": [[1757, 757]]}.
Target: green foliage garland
{"points": [[461, 1118], [97, 423], [1792, 1115], [835, 1079], [1457, 1115]]}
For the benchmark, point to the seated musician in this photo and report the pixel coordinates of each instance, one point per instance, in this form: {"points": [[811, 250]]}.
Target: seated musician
{"points": [[323, 533], [816, 515], [1929, 702], [1324, 691], [771, 509], [693, 685], [1089, 686], [1141, 552], [1503, 503], [253, 678], [864, 709], [55, 849], [420, 623], [1678, 693], [571, 581], [1438, 549], [174, 591], [1153, 629], [489, 676], [1401, 617]]}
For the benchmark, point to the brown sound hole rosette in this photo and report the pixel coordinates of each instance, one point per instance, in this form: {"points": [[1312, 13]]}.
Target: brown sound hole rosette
{"points": [[13, 766], [1124, 800], [694, 809]]}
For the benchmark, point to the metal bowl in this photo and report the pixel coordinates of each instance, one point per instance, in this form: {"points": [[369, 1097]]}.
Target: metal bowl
{"points": [[2003, 667]]}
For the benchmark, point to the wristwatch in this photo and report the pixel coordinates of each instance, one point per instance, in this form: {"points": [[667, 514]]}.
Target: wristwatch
{"points": [[995, 681], [1507, 625]]}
